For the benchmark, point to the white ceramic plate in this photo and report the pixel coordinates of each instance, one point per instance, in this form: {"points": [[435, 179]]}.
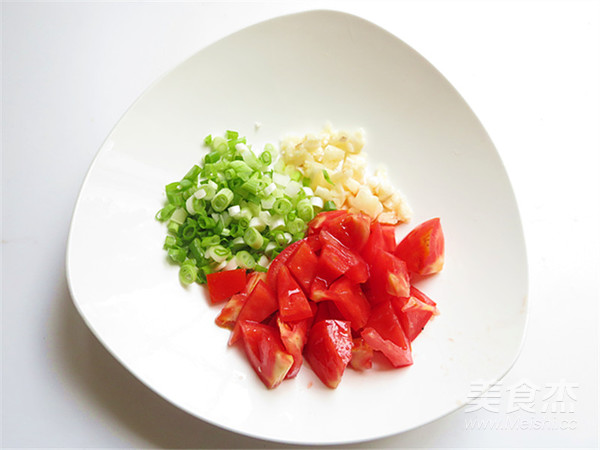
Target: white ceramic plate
{"points": [[293, 74]]}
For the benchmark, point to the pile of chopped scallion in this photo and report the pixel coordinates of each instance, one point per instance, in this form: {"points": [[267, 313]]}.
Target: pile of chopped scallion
{"points": [[237, 209]]}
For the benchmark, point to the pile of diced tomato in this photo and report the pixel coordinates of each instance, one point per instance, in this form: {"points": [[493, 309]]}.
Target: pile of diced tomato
{"points": [[333, 298]]}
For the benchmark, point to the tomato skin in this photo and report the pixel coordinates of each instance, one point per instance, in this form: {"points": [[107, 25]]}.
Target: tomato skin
{"points": [[294, 336], [336, 260], [266, 352], [303, 265], [327, 310], [362, 355], [351, 302], [321, 219], [222, 285], [390, 277], [376, 241], [293, 305], [329, 350], [279, 261], [319, 290], [414, 313], [384, 333], [259, 305], [352, 230], [230, 312], [388, 233], [423, 248]]}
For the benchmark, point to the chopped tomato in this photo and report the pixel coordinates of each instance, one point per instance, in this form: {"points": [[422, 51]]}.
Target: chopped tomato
{"points": [[384, 333], [423, 248], [362, 355], [415, 312], [329, 350], [351, 302], [265, 352], [222, 285], [279, 261], [389, 237], [231, 311], [319, 290], [253, 280], [376, 241], [259, 305], [389, 276], [336, 260], [303, 265], [293, 304], [315, 225], [294, 336], [352, 230], [327, 310]]}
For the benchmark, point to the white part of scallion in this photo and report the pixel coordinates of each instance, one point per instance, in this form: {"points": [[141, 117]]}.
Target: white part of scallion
{"points": [[200, 194], [288, 237], [267, 203], [234, 210], [317, 202], [264, 261], [231, 264], [308, 191], [270, 189], [220, 266], [281, 179], [189, 205], [270, 246], [179, 216], [241, 147], [292, 189], [276, 222], [257, 223]]}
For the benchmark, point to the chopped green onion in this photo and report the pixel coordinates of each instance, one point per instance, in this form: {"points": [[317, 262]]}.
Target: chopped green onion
{"points": [[188, 273], [253, 238], [259, 268], [245, 260], [326, 176], [176, 254], [282, 206], [329, 206], [222, 199], [165, 213], [305, 210], [296, 226]]}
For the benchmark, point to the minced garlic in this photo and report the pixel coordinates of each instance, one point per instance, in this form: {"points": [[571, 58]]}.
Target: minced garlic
{"points": [[339, 155]]}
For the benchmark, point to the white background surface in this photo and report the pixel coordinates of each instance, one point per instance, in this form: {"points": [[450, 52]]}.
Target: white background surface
{"points": [[530, 72]]}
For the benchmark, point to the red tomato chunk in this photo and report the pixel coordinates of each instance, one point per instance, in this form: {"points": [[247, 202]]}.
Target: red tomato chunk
{"points": [[222, 285], [333, 299]]}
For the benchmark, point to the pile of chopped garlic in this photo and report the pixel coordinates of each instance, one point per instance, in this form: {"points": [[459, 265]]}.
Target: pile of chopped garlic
{"points": [[338, 155]]}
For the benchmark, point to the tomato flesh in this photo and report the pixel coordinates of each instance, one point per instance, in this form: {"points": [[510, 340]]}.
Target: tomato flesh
{"points": [[259, 305], [362, 355], [222, 285], [303, 265], [279, 261], [384, 333], [293, 305], [230, 312], [390, 276], [423, 248], [351, 302], [294, 336], [265, 352], [352, 230], [329, 350], [415, 312]]}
